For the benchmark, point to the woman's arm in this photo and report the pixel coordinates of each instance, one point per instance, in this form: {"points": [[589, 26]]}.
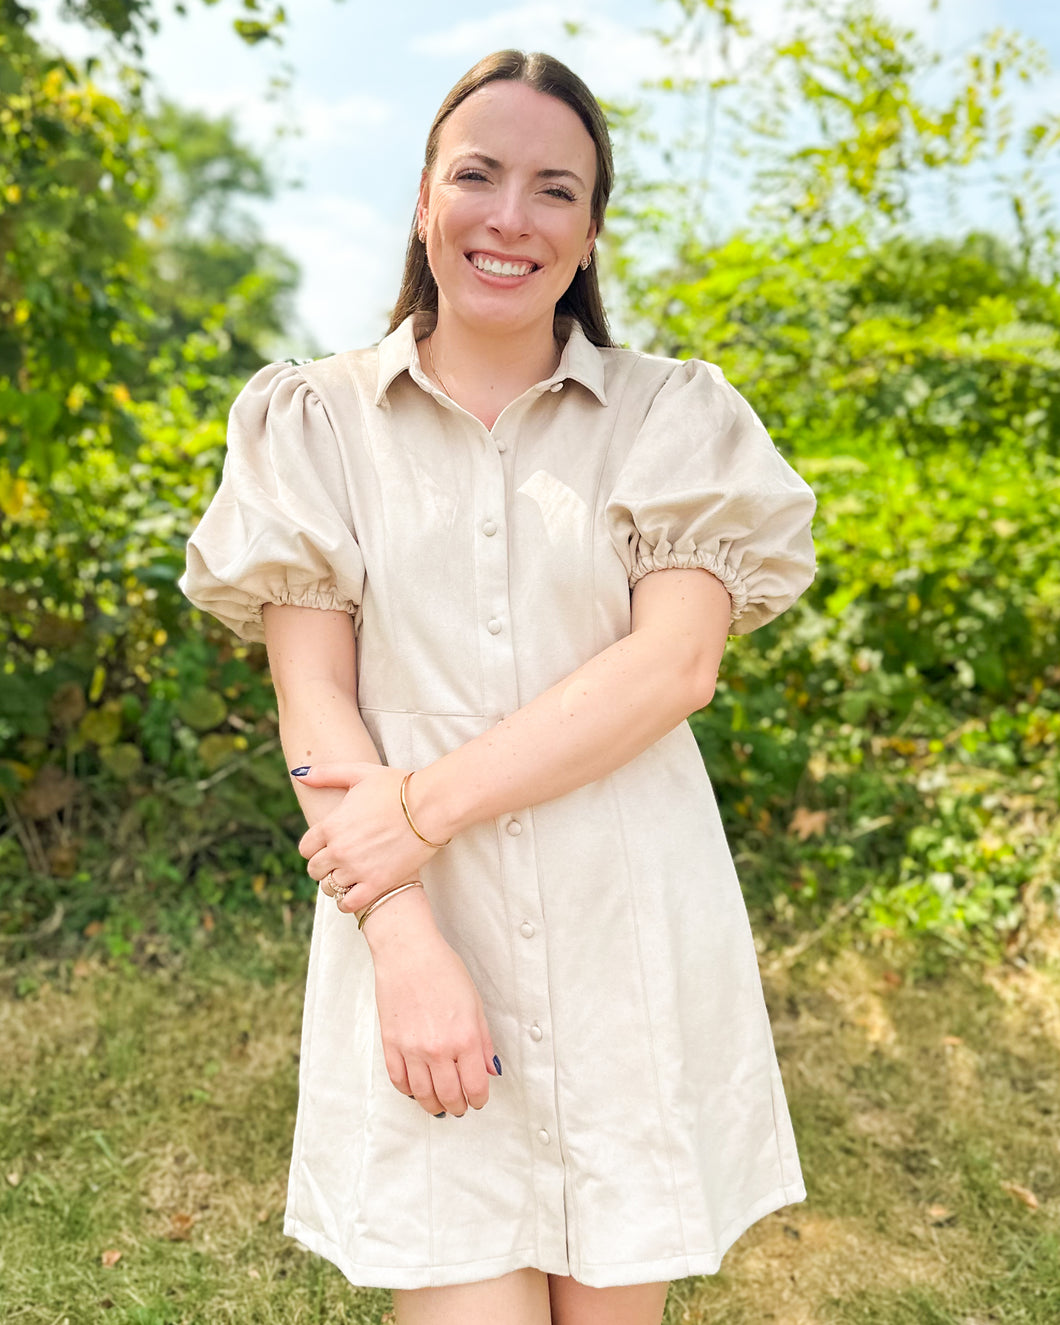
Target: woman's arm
{"points": [[598, 718], [436, 1042], [613, 707], [313, 663]]}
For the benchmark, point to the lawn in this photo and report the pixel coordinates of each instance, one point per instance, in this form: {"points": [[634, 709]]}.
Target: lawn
{"points": [[147, 1106]]}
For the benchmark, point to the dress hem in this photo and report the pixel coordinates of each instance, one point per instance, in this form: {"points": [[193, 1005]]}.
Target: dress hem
{"points": [[593, 1275]]}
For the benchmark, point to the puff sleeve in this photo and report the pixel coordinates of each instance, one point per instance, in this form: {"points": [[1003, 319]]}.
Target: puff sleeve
{"points": [[279, 528], [703, 486]]}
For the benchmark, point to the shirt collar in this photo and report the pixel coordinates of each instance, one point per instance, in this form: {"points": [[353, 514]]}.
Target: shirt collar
{"points": [[581, 360]]}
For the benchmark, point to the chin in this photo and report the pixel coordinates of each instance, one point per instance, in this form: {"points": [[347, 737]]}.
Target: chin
{"points": [[504, 313]]}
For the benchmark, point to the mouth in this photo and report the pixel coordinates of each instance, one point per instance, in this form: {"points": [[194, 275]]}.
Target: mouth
{"points": [[494, 266]]}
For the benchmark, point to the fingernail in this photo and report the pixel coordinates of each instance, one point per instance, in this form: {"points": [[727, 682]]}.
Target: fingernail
{"points": [[300, 772], [497, 1064], [439, 1115]]}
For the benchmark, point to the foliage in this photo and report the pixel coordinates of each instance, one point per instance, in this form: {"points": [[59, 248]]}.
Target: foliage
{"points": [[926, 343], [124, 267], [123, 726], [891, 743], [130, 20], [74, 179], [219, 291], [896, 736], [135, 296]]}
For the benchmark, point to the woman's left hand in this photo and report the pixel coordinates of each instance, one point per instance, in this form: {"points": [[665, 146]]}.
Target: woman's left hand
{"points": [[366, 840]]}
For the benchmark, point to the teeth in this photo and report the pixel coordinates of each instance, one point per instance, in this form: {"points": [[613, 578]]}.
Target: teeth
{"points": [[497, 268]]}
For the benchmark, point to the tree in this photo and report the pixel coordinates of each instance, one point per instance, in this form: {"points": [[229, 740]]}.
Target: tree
{"points": [[834, 306]]}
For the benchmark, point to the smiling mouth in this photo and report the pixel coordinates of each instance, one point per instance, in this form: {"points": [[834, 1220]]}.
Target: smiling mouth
{"points": [[500, 266]]}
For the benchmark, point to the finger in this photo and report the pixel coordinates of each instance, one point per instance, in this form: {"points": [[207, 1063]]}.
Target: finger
{"points": [[422, 1086], [334, 775], [474, 1079], [321, 865], [355, 900], [447, 1086], [493, 1063], [312, 840], [396, 1070]]}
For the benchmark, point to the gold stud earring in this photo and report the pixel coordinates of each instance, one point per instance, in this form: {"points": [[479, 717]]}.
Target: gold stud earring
{"points": [[584, 264]]}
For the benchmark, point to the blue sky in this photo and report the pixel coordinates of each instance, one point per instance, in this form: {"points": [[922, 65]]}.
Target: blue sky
{"points": [[366, 79]]}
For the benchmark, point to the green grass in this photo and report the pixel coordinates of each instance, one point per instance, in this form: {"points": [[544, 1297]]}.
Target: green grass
{"points": [[147, 1108]]}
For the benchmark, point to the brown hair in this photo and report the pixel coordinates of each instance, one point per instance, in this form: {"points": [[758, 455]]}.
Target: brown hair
{"points": [[543, 73]]}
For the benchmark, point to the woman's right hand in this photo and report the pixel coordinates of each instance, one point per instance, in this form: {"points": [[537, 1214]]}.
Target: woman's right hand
{"points": [[435, 1038]]}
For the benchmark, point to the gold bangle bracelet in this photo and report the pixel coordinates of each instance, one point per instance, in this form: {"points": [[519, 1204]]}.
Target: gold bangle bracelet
{"points": [[405, 807], [385, 897]]}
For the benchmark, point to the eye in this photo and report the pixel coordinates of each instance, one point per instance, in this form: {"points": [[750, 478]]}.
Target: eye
{"points": [[475, 176], [558, 191]]}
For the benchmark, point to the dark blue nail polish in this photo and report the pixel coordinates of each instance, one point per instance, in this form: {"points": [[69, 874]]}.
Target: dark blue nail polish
{"points": [[300, 772], [439, 1115], [497, 1064]]}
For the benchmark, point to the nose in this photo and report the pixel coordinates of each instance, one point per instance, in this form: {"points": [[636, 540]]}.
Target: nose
{"points": [[510, 216]]}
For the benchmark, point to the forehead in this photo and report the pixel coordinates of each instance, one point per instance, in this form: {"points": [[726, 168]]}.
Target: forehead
{"points": [[509, 114]]}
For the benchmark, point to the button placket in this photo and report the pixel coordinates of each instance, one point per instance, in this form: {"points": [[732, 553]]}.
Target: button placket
{"points": [[537, 1061], [530, 982]]}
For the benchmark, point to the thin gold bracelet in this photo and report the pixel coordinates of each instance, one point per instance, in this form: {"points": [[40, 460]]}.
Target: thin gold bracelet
{"points": [[385, 897], [405, 807]]}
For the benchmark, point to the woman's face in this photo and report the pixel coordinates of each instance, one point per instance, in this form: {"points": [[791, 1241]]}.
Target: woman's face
{"points": [[507, 208]]}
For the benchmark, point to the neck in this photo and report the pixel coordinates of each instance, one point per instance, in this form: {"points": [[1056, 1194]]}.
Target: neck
{"points": [[478, 360]]}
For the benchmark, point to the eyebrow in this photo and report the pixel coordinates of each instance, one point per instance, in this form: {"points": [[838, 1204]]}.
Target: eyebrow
{"points": [[494, 164]]}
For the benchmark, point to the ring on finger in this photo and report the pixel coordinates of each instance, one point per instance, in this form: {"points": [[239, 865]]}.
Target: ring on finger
{"points": [[340, 890]]}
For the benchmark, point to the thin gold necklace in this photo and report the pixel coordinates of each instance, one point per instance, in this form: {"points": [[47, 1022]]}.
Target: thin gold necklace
{"points": [[434, 370]]}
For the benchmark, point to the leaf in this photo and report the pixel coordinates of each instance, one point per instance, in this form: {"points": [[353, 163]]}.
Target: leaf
{"points": [[62, 860], [180, 1226], [102, 726], [202, 709], [1023, 1194], [124, 760], [67, 706], [217, 748], [109, 1259], [52, 791], [806, 823]]}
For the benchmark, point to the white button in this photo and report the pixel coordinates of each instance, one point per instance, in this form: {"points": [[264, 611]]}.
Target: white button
{"points": [[514, 827], [493, 626], [536, 1032], [543, 1137], [501, 446], [526, 929], [489, 528], [556, 386]]}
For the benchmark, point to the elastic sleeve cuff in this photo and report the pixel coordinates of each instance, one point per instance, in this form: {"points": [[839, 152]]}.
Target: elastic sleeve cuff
{"points": [[666, 557]]}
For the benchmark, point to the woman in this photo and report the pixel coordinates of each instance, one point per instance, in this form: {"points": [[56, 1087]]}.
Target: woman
{"points": [[503, 555]]}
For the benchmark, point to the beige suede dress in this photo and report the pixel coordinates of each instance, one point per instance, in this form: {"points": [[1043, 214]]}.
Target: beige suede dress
{"points": [[640, 1125]]}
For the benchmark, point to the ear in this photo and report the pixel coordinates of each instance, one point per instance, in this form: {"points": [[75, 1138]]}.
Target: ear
{"points": [[590, 237]]}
